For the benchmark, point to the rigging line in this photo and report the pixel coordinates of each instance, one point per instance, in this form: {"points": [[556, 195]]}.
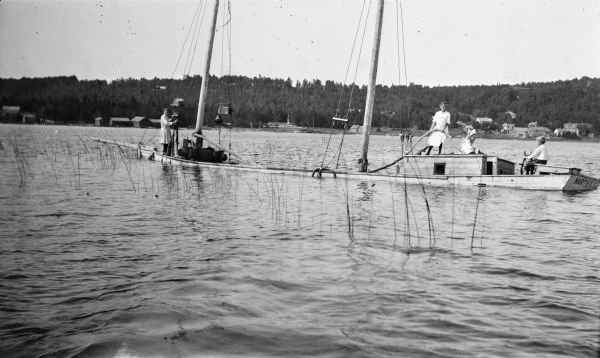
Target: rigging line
{"points": [[350, 59], [186, 38], [399, 7], [398, 50], [195, 39], [403, 42], [196, 23], [359, 53]]}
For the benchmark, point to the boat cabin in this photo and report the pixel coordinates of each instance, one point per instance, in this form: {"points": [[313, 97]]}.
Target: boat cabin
{"points": [[455, 164]]}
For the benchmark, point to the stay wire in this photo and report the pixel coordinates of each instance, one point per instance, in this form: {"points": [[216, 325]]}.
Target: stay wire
{"points": [[358, 60], [196, 13], [350, 59], [195, 40]]}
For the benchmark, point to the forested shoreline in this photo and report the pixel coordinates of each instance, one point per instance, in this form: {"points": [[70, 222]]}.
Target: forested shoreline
{"points": [[260, 100]]}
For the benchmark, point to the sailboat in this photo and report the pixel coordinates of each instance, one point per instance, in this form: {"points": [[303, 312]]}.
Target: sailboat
{"points": [[432, 170]]}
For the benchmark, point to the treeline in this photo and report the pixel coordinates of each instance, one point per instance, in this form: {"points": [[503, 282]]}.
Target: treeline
{"points": [[311, 103]]}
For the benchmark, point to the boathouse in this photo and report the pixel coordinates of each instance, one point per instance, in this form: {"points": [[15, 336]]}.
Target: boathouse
{"points": [[120, 122], [29, 118], [11, 113]]}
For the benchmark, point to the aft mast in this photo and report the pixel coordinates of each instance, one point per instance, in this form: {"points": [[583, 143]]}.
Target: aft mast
{"points": [[205, 75], [364, 163]]}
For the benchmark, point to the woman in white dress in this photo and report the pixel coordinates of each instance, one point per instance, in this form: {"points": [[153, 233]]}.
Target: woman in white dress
{"points": [[439, 129]]}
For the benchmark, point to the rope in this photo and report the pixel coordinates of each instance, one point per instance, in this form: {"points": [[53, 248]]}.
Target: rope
{"points": [[403, 154], [186, 38], [403, 49], [399, 9], [362, 41], [350, 59]]}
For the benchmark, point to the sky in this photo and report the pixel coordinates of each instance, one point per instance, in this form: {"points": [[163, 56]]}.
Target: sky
{"points": [[442, 42]]}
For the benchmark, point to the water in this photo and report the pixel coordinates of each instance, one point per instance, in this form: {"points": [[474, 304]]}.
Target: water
{"points": [[105, 255]]}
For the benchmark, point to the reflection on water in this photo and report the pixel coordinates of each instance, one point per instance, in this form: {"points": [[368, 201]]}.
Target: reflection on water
{"points": [[103, 254]]}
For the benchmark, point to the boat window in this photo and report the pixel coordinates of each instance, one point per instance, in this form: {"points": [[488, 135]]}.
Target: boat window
{"points": [[439, 168]]}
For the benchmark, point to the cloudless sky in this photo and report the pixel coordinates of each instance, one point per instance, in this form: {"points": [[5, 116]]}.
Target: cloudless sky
{"points": [[446, 42]]}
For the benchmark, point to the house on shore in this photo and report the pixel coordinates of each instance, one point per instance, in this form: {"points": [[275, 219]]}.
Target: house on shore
{"points": [[533, 130], [580, 129], [29, 118], [11, 113], [508, 128], [520, 132], [120, 122]]}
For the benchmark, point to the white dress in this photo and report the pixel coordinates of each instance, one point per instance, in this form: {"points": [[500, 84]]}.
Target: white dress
{"points": [[165, 130], [441, 121]]}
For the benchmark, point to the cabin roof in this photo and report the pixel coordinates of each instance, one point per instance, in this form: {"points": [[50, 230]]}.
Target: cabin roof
{"points": [[119, 119], [138, 118]]}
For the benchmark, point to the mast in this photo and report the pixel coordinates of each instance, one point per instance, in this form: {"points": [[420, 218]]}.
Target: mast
{"points": [[371, 88], [204, 87]]}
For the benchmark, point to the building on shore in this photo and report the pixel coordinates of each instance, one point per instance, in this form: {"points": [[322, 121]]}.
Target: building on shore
{"points": [[508, 128], [120, 122], [538, 131], [580, 129], [11, 113], [520, 132], [29, 118]]}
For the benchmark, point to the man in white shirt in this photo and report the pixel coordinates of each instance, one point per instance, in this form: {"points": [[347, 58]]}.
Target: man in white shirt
{"points": [[539, 156]]}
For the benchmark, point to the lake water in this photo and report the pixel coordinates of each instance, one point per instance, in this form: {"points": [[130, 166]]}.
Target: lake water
{"points": [[106, 255]]}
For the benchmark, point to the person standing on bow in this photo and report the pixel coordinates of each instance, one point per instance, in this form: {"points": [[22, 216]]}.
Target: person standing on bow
{"points": [[166, 122], [539, 156], [438, 130]]}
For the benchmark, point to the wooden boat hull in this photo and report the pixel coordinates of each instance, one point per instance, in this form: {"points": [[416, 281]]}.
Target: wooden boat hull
{"points": [[552, 182], [567, 182]]}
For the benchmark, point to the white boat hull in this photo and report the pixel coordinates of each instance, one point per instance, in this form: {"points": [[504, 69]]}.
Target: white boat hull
{"points": [[552, 182], [567, 182]]}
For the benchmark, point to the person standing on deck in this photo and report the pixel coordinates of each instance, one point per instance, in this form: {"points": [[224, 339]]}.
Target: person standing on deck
{"points": [[539, 156], [166, 122], [439, 130]]}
